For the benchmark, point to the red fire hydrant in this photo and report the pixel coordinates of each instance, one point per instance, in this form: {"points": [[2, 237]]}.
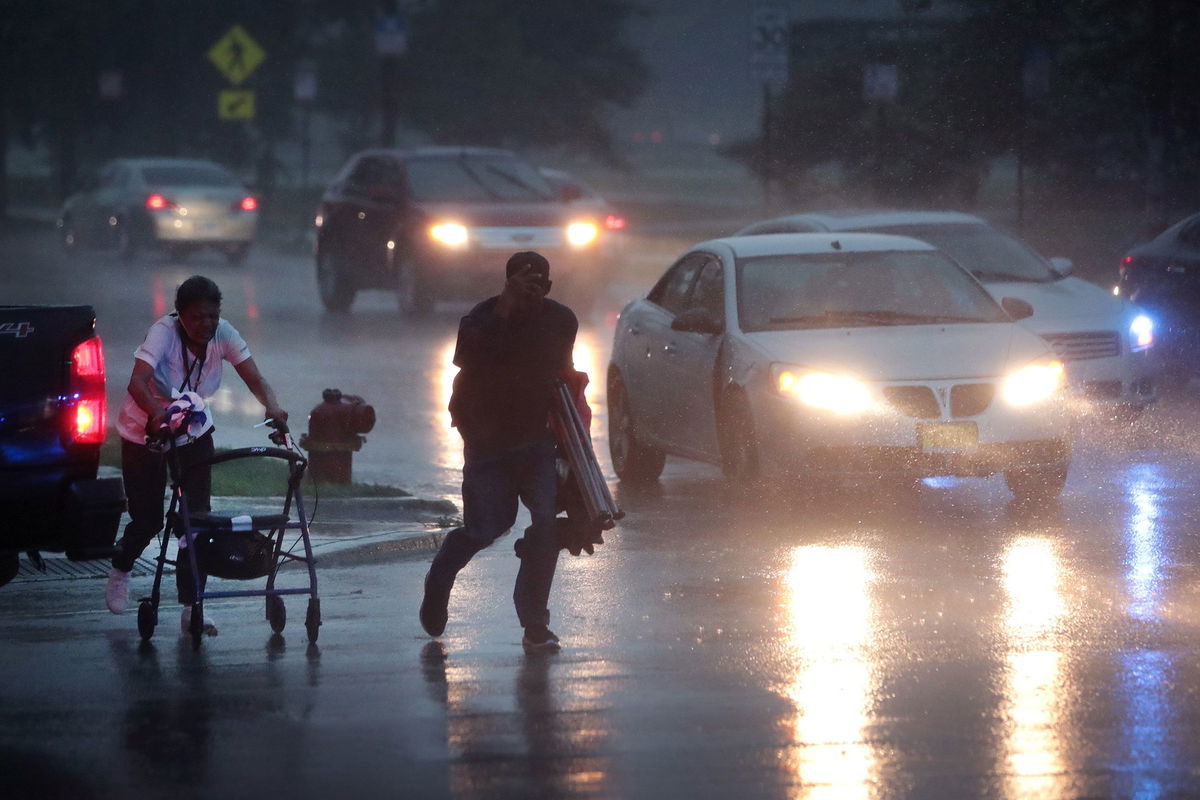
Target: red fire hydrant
{"points": [[334, 428]]}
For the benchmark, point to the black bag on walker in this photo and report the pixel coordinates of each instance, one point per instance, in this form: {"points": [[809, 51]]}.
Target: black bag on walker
{"points": [[225, 551]]}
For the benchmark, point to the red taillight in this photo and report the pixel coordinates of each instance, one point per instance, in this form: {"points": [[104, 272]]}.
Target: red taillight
{"points": [[248, 203], [88, 418], [157, 202], [1126, 263], [614, 223]]}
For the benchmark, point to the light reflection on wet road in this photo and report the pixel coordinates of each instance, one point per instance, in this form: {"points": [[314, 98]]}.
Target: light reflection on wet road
{"points": [[860, 641]]}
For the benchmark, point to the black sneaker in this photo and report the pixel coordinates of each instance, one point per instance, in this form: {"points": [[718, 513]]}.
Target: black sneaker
{"points": [[539, 639], [433, 606]]}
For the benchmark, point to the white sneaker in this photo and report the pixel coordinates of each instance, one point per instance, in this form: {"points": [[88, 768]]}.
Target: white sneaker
{"points": [[185, 623], [116, 594]]}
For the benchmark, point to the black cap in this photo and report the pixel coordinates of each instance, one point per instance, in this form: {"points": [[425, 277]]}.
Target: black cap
{"points": [[526, 258]]}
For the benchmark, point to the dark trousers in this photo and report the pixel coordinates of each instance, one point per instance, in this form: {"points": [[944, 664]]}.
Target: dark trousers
{"points": [[492, 485], [145, 475]]}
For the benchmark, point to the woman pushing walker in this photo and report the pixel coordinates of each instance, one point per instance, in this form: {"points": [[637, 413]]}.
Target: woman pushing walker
{"points": [[182, 352]]}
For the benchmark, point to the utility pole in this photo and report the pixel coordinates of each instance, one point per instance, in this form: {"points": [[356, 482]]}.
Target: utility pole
{"points": [[1158, 122]]}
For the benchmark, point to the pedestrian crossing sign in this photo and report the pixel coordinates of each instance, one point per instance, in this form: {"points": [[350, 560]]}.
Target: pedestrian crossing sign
{"points": [[236, 54], [235, 104]]}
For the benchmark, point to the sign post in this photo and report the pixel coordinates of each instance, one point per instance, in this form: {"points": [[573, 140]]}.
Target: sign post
{"points": [[770, 36]]}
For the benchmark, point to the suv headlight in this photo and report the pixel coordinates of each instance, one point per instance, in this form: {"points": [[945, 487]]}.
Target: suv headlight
{"points": [[451, 234], [1141, 333], [841, 394], [1033, 383], [582, 234]]}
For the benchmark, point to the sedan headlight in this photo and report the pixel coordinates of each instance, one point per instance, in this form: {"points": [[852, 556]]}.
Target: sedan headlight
{"points": [[451, 234], [1141, 333], [581, 234], [841, 394], [1033, 383]]}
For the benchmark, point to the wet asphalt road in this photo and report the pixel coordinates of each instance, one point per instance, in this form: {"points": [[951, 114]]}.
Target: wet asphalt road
{"points": [[856, 641]]}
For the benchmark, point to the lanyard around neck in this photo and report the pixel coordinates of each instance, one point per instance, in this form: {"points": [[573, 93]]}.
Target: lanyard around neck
{"points": [[190, 383]]}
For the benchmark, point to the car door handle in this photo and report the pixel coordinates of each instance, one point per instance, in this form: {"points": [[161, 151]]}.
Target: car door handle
{"points": [[670, 349], [634, 330]]}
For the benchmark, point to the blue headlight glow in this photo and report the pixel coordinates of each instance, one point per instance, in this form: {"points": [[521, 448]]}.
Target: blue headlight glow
{"points": [[1141, 333]]}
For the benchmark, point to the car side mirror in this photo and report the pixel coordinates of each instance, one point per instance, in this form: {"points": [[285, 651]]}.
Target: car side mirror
{"points": [[1062, 266], [696, 320], [570, 192], [1016, 308]]}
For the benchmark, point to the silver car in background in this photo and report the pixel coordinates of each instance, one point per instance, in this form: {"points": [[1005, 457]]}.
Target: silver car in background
{"points": [[178, 204], [1105, 341]]}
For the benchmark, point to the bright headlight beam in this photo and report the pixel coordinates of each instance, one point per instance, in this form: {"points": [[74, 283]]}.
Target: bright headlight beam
{"points": [[1141, 332], [838, 393], [581, 234], [1033, 384], [451, 234]]}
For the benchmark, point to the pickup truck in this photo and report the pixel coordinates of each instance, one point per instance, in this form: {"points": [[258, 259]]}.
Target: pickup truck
{"points": [[52, 423]]}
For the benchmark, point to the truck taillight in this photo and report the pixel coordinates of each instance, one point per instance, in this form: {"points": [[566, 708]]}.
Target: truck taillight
{"points": [[88, 417]]}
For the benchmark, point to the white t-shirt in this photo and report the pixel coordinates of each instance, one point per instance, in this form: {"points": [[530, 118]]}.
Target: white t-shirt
{"points": [[163, 350]]}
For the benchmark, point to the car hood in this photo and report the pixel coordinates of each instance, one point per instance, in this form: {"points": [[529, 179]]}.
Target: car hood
{"points": [[907, 352], [1070, 303], [499, 215]]}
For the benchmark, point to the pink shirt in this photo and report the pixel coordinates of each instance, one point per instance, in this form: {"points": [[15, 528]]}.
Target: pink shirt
{"points": [[163, 350]]}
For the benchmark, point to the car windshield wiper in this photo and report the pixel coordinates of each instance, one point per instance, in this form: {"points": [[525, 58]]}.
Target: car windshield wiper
{"points": [[984, 275], [879, 317], [515, 181], [463, 162]]}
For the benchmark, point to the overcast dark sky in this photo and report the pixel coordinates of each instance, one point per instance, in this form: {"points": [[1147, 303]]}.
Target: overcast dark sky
{"points": [[699, 54]]}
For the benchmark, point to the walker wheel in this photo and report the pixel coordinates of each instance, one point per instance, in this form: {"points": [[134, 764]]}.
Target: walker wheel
{"points": [[147, 619], [276, 612], [312, 621]]}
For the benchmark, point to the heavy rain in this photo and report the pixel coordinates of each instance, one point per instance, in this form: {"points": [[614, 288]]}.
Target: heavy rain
{"points": [[885, 313]]}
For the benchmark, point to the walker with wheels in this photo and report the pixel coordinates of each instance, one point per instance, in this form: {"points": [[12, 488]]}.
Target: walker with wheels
{"points": [[235, 547]]}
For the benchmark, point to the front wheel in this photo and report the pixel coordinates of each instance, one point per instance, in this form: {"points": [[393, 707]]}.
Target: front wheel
{"points": [[147, 619], [414, 295], [276, 613], [236, 253], [633, 461], [1036, 483], [337, 293], [127, 244]]}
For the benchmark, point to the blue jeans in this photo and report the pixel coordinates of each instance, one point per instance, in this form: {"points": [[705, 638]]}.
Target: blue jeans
{"points": [[492, 485]]}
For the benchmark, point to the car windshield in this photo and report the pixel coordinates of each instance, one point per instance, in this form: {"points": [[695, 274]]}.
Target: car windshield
{"points": [[853, 290], [187, 175], [476, 179], [989, 254]]}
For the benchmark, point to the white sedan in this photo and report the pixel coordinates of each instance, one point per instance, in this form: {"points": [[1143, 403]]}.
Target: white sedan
{"points": [[836, 354]]}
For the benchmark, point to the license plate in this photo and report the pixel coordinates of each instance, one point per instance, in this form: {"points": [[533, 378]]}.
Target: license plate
{"points": [[948, 437], [206, 227]]}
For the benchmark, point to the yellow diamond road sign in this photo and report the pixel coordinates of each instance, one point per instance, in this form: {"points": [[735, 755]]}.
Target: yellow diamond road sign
{"points": [[236, 55], [235, 104]]}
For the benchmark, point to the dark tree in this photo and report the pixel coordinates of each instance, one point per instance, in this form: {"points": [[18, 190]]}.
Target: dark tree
{"points": [[520, 72]]}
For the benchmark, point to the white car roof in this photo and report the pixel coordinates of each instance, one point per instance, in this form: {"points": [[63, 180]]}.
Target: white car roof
{"points": [[778, 244], [850, 219]]}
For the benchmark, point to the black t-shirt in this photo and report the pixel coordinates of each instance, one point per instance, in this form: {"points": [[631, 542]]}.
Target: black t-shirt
{"points": [[507, 368]]}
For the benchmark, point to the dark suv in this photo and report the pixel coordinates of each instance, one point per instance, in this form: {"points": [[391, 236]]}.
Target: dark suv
{"points": [[1163, 277], [431, 223]]}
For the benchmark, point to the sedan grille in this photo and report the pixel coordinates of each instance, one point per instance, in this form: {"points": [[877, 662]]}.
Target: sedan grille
{"points": [[969, 399], [913, 401], [1082, 346]]}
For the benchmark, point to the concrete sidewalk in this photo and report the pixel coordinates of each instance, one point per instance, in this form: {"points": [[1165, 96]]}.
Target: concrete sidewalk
{"points": [[380, 527]]}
